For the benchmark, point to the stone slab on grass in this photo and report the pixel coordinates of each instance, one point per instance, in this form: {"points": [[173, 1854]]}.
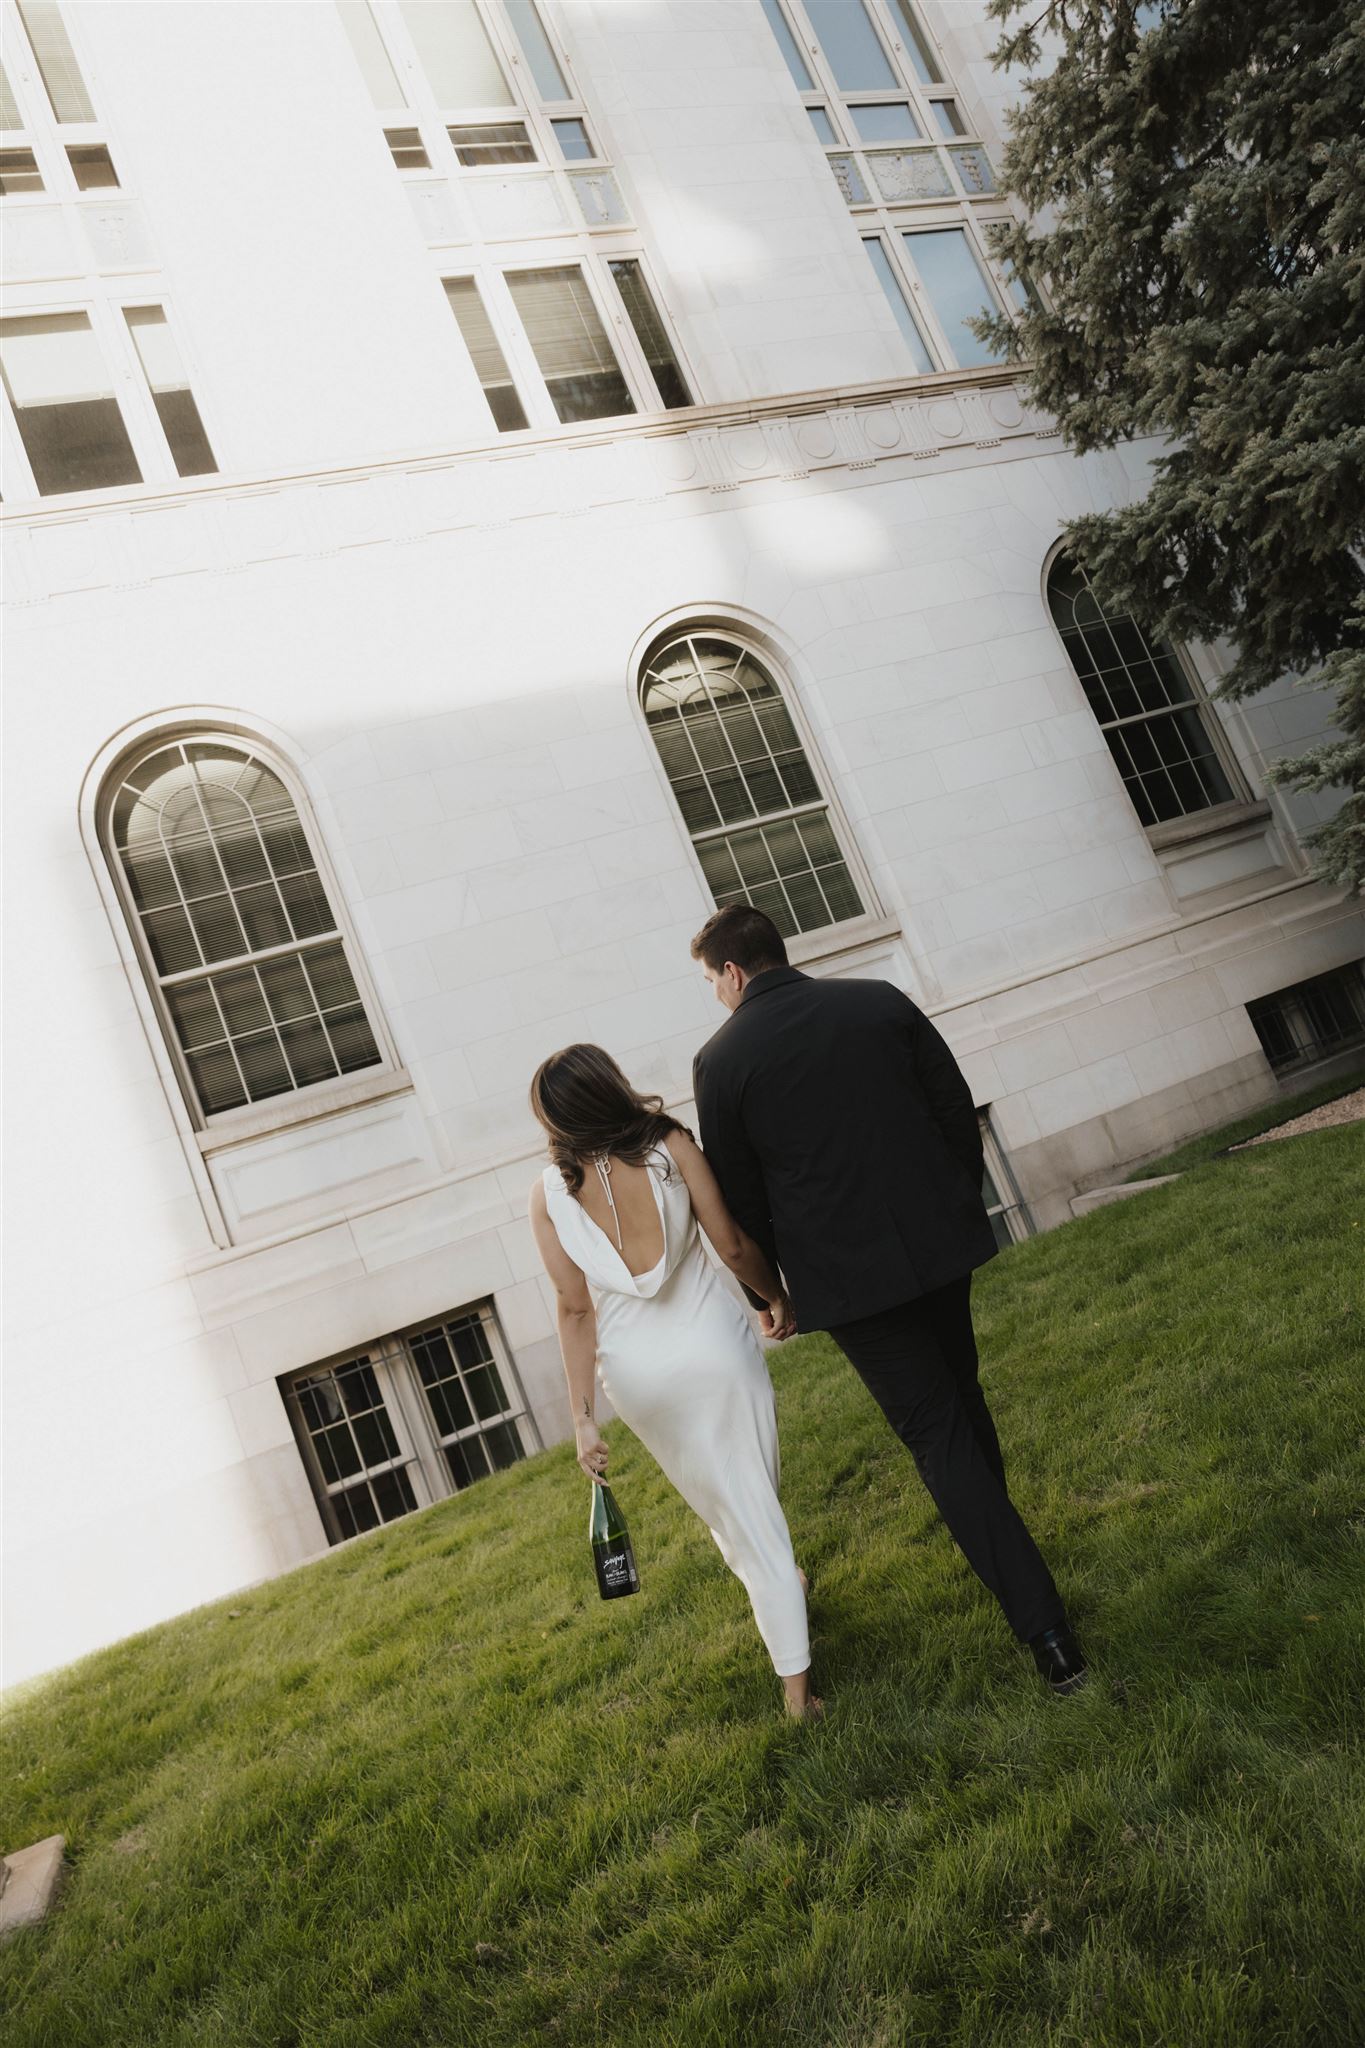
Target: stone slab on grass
{"points": [[1100, 1198], [29, 1884]]}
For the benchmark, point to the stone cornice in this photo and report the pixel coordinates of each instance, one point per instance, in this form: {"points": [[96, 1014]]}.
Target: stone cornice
{"points": [[214, 526]]}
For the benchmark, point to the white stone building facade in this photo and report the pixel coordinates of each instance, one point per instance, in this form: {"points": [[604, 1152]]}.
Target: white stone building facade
{"points": [[422, 426]]}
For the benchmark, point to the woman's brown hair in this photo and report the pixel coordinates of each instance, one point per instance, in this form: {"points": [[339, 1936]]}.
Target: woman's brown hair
{"points": [[588, 1107]]}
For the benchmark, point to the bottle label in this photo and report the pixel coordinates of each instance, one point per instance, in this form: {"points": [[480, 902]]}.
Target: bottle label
{"points": [[616, 1571]]}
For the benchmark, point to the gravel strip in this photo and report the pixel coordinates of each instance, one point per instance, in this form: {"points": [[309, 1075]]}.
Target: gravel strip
{"points": [[1347, 1109]]}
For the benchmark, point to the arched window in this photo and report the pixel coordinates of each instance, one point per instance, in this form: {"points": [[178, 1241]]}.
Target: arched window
{"points": [[247, 958], [743, 783], [1148, 705]]}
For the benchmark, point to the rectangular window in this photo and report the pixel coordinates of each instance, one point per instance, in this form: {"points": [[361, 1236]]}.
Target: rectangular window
{"points": [[787, 44], [500, 142], [1008, 1217], [821, 123], [19, 172], [956, 287], [535, 47], [485, 352], [918, 46], [1313, 1020], [64, 406], [455, 53], [170, 389], [92, 166], [56, 60], [376, 66], [355, 1460], [570, 343], [949, 120], [885, 121], [407, 149], [574, 141], [10, 117], [412, 1418], [849, 179], [898, 303], [973, 168], [650, 331], [850, 43]]}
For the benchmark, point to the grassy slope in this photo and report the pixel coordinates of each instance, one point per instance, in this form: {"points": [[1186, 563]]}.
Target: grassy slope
{"points": [[431, 1790], [1270, 1114]]}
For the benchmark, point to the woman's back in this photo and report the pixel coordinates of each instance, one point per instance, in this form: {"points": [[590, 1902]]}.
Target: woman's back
{"points": [[635, 1225]]}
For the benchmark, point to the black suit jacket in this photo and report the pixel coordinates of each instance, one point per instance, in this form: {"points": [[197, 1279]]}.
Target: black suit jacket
{"points": [[845, 1141]]}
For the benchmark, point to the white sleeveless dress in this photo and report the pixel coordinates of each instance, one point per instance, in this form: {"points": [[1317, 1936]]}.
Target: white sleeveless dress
{"points": [[684, 1370]]}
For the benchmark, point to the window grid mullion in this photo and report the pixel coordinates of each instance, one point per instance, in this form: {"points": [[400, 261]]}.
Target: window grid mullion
{"points": [[710, 832]]}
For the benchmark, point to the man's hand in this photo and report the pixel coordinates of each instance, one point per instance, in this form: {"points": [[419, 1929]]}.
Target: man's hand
{"points": [[777, 1320]]}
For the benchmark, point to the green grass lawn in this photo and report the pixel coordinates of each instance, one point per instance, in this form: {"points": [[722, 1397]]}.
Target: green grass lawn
{"points": [[1267, 1118], [432, 1790]]}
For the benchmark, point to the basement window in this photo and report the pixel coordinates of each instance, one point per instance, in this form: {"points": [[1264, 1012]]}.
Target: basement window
{"points": [[1312, 1020]]}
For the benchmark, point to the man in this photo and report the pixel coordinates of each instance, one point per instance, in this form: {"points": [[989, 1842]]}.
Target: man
{"points": [[846, 1143]]}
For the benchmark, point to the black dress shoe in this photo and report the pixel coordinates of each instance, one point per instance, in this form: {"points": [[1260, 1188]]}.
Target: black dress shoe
{"points": [[1058, 1657]]}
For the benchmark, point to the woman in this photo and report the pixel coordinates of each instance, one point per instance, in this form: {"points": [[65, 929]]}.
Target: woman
{"points": [[615, 1215]]}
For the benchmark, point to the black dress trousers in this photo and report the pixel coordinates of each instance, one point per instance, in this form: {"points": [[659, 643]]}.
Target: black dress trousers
{"points": [[918, 1361]]}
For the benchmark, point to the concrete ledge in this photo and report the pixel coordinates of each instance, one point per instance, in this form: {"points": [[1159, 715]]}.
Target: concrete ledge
{"points": [[1100, 1198], [29, 1883]]}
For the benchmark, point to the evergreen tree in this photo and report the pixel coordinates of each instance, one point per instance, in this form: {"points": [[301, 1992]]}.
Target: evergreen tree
{"points": [[1193, 172]]}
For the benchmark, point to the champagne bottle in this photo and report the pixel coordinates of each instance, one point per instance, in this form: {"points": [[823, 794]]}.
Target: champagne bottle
{"points": [[611, 1549]]}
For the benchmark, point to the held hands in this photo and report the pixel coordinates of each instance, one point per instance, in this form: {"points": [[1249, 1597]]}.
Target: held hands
{"points": [[777, 1320], [592, 1450]]}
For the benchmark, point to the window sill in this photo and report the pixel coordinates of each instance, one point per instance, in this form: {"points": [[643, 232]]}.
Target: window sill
{"points": [[1207, 824], [238, 1127], [831, 941]]}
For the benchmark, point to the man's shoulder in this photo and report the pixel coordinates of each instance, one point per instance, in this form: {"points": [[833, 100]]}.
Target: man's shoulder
{"points": [[869, 993]]}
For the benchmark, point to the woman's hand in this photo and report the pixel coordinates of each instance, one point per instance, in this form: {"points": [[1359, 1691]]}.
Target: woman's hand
{"points": [[777, 1319], [592, 1450]]}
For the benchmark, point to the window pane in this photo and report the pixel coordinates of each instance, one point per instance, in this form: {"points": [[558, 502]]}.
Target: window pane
{"points": [[455, 53], [170, 389], [910, 174], [407, 148], [973, 168], [917, 45], [570, 343], [885, 121], [535, 47], [19, 171], [949, 120], [503, 1445], [650, 332], [574, 141], [67, 415], [786, 43], [92, 166], [849, 41], [849, 179], [503, 142], [821, 123], [957, 289], [10, 117], [485, 352], [376, 67], [56, 61], [898, 303]]}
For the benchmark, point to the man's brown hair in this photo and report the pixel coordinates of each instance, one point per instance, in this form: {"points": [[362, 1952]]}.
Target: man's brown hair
{"points": [[740, 933]]}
